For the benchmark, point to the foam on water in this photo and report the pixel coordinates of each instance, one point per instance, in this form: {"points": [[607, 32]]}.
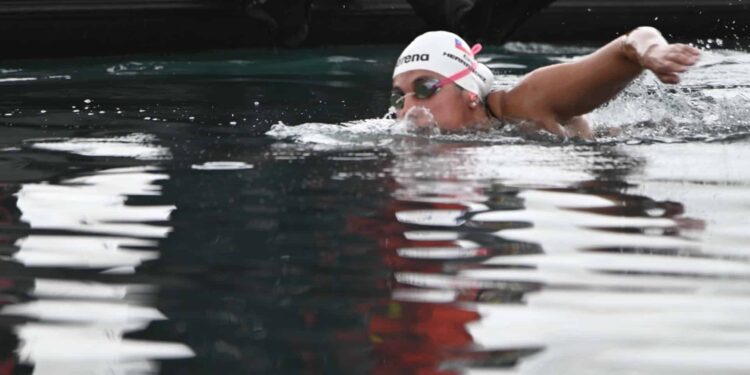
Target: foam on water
{"points": [[138, 146], [704, 107]]}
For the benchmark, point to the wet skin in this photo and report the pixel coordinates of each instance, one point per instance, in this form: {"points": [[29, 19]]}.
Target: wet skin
{"points": [[555, 98], [451, 106]]}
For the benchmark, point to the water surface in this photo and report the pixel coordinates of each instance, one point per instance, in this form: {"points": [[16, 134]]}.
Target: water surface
{"points": [[250, 212]]}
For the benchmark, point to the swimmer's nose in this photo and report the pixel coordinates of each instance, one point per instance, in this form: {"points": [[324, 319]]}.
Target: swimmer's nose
{"points": [[409, 101]]}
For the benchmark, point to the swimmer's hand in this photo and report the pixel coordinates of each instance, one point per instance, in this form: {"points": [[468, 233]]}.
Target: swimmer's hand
{"points": [[646, 47], [667, 61]]}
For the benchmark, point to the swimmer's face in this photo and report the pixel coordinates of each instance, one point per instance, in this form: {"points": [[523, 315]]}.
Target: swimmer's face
{"points": [[450, 106]]}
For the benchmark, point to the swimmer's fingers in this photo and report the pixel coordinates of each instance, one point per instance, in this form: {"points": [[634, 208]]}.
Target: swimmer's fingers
{"points": [[554, 127], [671, 79], [668, 76], [668, 61], [686, 49], [684, 55], [684, 59]]}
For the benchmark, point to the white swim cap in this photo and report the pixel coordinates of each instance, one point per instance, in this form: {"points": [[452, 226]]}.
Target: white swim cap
{"points": [[447, 54]]}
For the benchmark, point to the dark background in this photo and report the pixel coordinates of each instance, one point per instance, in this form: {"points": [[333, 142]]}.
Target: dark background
{"points": [[46, 28]]}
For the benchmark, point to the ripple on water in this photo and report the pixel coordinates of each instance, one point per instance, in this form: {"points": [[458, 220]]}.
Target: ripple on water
{"points": [[137, 146], [85, 222], [222, 166], [365, 247]]}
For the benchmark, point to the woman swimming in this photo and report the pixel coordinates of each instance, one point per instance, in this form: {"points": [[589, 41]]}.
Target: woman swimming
{"points": [[439, 71]]}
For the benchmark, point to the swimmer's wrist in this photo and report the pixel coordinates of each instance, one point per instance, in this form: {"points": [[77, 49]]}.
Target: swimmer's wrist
{"points": [[629, 50], [638, 44]]}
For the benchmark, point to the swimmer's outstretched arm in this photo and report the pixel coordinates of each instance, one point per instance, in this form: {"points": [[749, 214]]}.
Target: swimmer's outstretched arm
{"points": [[557, 94]]}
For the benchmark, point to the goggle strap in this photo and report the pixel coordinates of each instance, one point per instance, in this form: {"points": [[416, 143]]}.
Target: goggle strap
{"points": [[476, 49], [458, 75], [463, 73]]}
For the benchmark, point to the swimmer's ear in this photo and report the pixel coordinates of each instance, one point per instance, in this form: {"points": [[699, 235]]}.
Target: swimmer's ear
{"points": [[473, 100]]}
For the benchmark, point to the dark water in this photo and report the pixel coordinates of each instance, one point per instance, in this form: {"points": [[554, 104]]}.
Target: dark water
{"points": [[150, 225]]}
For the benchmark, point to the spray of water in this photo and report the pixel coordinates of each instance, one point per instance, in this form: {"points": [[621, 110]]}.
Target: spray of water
{"points": [[419, 120], [711, 104]]}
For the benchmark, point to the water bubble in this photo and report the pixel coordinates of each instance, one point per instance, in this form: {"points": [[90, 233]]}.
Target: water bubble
{"points": [[191, 118], [233, 123], [87, 101], [421, 121], [43, 111], [257, 103]]}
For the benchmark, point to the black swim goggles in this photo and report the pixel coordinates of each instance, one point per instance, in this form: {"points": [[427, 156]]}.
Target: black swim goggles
{"points": [[424, 88]]}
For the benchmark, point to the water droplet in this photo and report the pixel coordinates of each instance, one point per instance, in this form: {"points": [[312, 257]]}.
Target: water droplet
{"points": [[420, 120], [257, 103], [43, 111], [191, 118], [87, 101], [233, 123]]}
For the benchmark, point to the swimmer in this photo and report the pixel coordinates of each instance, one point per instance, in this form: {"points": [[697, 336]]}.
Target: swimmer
{"points": [[439, 71]]}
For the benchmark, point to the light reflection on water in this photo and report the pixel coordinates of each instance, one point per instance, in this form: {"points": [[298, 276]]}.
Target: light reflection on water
{"points": [[609, 290], [84, 222], [147, 226]]}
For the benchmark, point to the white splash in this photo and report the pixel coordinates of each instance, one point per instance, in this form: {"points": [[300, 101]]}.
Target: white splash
{"points": [[222, 166], [137, 146]]}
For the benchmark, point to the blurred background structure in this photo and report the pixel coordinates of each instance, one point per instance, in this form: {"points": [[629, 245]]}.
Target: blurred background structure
{"points": [[91, 27]]}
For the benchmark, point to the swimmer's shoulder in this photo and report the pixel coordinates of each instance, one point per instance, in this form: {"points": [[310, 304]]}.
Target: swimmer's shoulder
{"points": [[522, 102]]}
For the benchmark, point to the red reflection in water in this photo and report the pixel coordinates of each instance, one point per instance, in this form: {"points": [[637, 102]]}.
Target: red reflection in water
{"points": [[411, 337]]}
